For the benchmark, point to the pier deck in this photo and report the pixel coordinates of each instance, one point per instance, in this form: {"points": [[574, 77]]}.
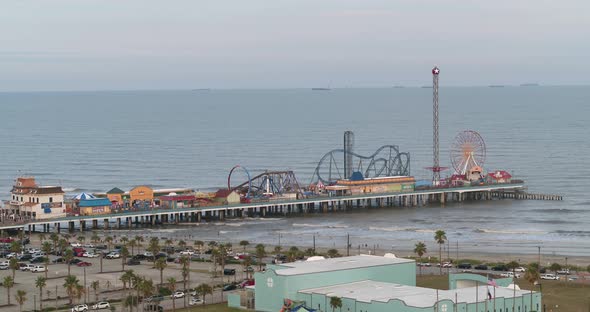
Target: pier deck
{"points": [[306, 205]]}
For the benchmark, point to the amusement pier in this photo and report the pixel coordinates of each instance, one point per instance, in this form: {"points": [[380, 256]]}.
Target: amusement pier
{"points": [[343, 180]]}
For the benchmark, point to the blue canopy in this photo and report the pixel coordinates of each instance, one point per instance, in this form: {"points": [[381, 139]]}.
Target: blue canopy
{"points": [[83, 196], [95, 202]]}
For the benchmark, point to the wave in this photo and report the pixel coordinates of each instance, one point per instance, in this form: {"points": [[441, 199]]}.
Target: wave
{"points": [[488, 231], [330, 226], [552, 221], [559, 210], [392, 229], [228, 224], [573, 233], [69, 189]]}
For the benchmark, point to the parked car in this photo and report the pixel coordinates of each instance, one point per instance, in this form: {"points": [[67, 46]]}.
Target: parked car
{"points": [[84, 264], [25, 257], [549, 277], [80, 308], [75, 261], [196, 301], [500, 267], [38, 269], [520, 269], [510, 274], [58, 260], [464, 266], [12, 255], [229, 287], [187, 253], [154, 298], [75, 244], [113, 255], [447, 265], [101, 305], [89, 246], [248, 269], [5, 262], [177, 294], [133, 262], [481, 267], [4, 266], [245, 283], [229, 272], [89, 255], [148, 254], [27, 267], [564, 271], [139, 257], [39, 259]]}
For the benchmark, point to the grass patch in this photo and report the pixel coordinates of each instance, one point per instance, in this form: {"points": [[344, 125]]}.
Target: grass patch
{"points": [[569, 296]]}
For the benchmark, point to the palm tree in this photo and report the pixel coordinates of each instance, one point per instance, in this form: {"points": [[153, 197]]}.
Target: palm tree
{"points": [[160, 265], [13, 264], [278, 249], [154, 245], [132, 243], [172, 287], [555, 267], [81, 239], [292, 254], [124, 240], [21, 297], [246, 262], [62, 245], [440, 237], [95, 238], [8, 283], [199, 244], [260, 253], [124, 254], [335, 302], [244, 244], [95, 285], [41, 282], [68, 257], [182, 244], [532, 276], [71, 286], [420, 250], [109, 241], [168, 243], [127, 278], [47, 250], [139, 240], [204, 290], [42, 238], [185, 262], [16, 246], [80, 291], [54, 238]]}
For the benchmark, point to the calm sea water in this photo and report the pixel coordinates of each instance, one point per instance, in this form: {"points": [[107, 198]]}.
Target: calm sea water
{"points": [[93, 141]]}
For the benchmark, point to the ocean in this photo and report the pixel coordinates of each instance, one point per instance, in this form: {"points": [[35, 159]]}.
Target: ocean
{"points": [[94, 141]]}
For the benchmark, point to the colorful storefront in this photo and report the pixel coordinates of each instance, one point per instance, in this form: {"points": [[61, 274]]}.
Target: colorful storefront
{"points": [[97, 206]]}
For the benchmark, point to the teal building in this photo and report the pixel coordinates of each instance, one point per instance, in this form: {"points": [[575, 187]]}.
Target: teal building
{"points": [[377, 284]]}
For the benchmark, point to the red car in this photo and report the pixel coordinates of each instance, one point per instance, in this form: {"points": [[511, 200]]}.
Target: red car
{"points": [[84, 264]]}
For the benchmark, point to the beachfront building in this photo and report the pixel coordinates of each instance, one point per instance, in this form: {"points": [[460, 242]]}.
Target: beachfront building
{"points": [[94, 206], [367, 283], [31, 201], [227, 196], [115, 195]]}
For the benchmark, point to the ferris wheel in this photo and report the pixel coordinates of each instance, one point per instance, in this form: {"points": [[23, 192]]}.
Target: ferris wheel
{"points": [[467, 151]]}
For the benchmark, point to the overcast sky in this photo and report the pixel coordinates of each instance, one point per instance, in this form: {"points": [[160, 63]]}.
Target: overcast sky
{"points": [[114, 44]]}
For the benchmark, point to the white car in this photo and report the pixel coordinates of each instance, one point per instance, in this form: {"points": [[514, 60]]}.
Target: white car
{"points": [[520, 269], [101, 305], [38, 254], [187, 253], [33, 250], [12, 255], [510, 274], [38, 269], [549, 277], [5, 262], [177, 294], [27, 267], [89, 255], [113, 255], [195, 301], [564, 271], [89, 246], [80, 308], [76, 245], [148, 254]]}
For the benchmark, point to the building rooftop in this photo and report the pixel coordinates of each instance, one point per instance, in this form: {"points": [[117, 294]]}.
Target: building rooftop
{"points": [[367, 291], [336, 264]]}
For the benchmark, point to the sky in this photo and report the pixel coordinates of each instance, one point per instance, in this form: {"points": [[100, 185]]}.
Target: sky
{"points": [[177, 44]]}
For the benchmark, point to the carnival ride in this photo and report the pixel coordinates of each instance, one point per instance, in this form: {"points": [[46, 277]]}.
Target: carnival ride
{"points": [[387, 161], [468, 151], [266, 184]]}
